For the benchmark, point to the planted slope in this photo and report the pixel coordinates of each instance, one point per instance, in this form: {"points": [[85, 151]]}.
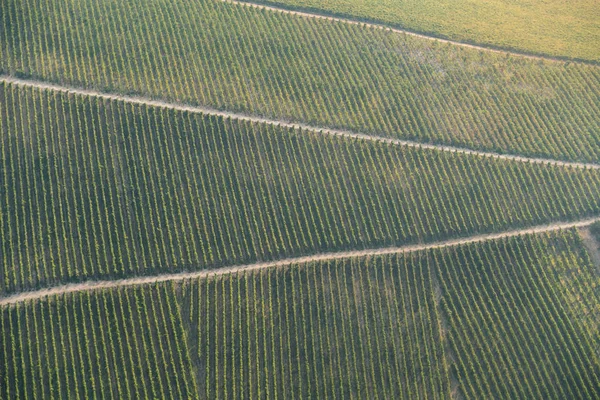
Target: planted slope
{"points": [[356, 328], [359, 328], [118, 344], [522, 317], [511, 318], [97, 188], [319, 72], [555, 28]]}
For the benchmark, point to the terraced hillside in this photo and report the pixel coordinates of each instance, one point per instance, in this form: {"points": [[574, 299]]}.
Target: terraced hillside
{"points": [[552, 28], [207, 200], [426, 324], [320, 72], [102, 188]]}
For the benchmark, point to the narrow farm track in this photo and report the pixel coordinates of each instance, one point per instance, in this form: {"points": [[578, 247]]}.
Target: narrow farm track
{"points": [[141, 280], [293, 125], [308, 14]]}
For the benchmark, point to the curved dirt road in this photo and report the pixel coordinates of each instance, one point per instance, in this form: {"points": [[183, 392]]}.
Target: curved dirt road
{"points": [[93, 285], [309, 128], [397, 30]]}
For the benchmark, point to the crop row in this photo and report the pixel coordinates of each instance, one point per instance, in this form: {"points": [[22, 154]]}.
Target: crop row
{"points": [[320, 72], [97, 188], [510, 318], [523, 317], [345, 329], [101, 345], [356, 328]]}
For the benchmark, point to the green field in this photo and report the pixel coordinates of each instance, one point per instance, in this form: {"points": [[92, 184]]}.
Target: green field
{"points": [[207, 200], [504, 319], [556, 28], [99, 188], [285, 67], [522, 317], [358, 328], [126, 344]]}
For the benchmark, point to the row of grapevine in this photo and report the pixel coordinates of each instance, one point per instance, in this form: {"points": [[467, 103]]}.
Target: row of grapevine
{"points": [[345, 329], [499, 319], [557, 29], [357, 328], [518, 317], [98, 188], [320, 72], [99, 345]]}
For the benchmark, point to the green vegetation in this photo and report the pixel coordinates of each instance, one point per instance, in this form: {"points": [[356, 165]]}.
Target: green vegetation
{"points": [[522, 317], [357, 328], [552, 27], [501, 319], [126, 344], [324, 73], [99, 188]]}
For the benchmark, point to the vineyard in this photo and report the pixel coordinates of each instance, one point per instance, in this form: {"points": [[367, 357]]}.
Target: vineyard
{"points": [[154, 190], [220, 200], [547, 27], [323, 73], [126, 344], [424, 324], [523, 318]]}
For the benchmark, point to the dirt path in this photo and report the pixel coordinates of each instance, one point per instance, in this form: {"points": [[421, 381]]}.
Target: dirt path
{"points": [[397, 30], [315, 129], [92, 285]]}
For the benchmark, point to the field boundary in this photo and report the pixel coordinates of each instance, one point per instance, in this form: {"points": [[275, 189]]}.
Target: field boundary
{"points": [[180, 276], [293, 125], [348, 19]]}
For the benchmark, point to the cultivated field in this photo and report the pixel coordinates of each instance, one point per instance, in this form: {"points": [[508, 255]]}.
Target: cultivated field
{"points": [[319, 72], [523, 317], [100, 188], [427, 324], [111, 344], [214, 200], [552, 28]]}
